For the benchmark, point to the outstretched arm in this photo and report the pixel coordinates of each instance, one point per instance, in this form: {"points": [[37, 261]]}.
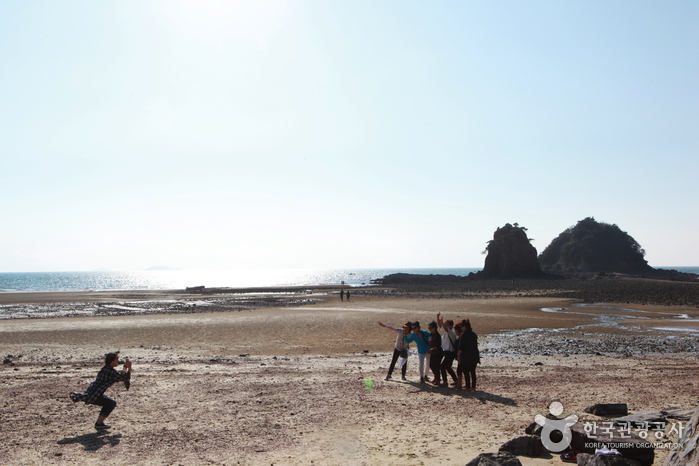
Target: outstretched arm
{"points": [[390, 328]]}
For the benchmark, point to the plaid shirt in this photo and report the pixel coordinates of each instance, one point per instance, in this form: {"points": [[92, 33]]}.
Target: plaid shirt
{"points": [[105, 379]]}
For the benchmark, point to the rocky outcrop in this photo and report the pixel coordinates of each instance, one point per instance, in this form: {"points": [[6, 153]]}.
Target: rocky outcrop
{"points": [[510, 255], [687, 451], [529, 445], [592, 246]]}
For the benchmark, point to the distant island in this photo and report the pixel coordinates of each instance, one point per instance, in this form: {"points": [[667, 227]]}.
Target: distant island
{"points": [[162, 267]]}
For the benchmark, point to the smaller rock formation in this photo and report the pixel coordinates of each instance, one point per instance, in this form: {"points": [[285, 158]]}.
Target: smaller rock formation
{"points": [[510, 255]]}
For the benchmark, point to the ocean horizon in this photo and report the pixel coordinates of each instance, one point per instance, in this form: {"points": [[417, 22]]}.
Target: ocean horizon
{"points": [[25, 282]]}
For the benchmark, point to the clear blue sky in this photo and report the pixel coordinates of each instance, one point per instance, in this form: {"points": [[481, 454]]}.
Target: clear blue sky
{"points": [[313, 134]]}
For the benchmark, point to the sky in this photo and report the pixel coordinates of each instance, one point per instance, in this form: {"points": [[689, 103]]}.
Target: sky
{"points": [[313, 134]]}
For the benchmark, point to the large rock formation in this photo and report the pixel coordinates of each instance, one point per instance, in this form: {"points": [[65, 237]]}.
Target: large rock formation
{"points": [[592, 246], [510, 255]]}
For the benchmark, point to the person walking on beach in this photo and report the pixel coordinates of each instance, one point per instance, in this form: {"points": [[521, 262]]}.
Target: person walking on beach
{"points": [[401, 349], [435, 351], [106, 377], [469, 356], [422, 338], [342, 295], [448, 349], [348, 295]]}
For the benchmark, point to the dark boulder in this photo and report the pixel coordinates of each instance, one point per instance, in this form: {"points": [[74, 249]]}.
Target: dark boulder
{"points": [[585, 459], [501, 458], [529, 445], [608, 409], [510, 255]]}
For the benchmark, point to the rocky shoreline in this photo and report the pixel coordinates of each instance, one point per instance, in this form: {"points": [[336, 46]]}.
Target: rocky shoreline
{"points": [[598, 288]]}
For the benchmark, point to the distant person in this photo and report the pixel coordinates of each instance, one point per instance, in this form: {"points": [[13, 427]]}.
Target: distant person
{"points": [[348, 295], [342, 295], [422, 338], [469, 356], [448, 349], [400, 350], [107, 376], [435, 351]]}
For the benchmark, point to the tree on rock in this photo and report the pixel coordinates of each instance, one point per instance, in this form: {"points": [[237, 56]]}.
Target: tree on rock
{"points": [[511, 255], [592, 246]]}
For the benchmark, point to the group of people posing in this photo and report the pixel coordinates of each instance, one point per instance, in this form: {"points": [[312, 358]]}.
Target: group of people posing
{"points": [[437, 352]]}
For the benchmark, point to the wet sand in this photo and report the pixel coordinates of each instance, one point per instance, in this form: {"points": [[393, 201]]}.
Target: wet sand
{"points": [[286, 385]]}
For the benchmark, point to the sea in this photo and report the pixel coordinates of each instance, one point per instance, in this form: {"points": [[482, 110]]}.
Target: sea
{"points": [[26, 282]]}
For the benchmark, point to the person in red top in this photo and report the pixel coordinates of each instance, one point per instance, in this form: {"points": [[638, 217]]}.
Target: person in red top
{"points": [[106, 377]]}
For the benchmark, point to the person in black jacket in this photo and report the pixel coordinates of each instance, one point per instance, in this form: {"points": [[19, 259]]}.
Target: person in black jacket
{"points": [[435, 351], [469, 356]]}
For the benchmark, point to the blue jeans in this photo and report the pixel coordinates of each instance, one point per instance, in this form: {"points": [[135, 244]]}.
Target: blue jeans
{"points": [[106, 403]]}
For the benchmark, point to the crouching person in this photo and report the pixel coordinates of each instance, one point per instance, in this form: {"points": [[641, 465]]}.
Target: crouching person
{"points": [[106, 377]]}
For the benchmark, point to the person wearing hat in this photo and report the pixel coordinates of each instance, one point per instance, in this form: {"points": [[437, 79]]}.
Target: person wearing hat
{"points": [[106, 377]]}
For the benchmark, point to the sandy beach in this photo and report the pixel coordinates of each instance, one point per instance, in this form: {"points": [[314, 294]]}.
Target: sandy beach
{"points": [[299, 379]]}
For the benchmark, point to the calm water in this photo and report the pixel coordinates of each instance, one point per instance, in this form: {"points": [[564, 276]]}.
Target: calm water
{"points": [[180, 279]]}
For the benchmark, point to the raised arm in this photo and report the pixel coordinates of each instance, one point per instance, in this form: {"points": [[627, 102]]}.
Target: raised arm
{"points": [[440, 322]]}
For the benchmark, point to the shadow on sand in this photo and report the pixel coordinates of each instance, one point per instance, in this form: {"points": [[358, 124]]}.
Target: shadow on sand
{"points": [[93, 441], [477, 394]]}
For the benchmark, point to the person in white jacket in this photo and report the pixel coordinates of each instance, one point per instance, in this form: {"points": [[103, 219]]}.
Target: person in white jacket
{"points": [[400, 350]]}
